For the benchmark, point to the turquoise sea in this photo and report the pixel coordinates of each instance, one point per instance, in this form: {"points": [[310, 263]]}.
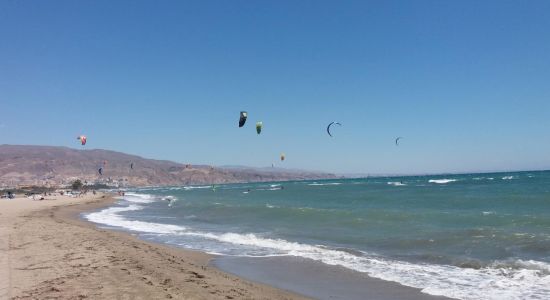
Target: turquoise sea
{"points": [[469, 236]]}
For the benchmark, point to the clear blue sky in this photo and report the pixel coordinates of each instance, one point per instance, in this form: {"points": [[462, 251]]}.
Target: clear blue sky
{"points": [[467, 83]]}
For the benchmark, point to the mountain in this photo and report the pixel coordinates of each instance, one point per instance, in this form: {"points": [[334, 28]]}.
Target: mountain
{"points": [[54, 166]]}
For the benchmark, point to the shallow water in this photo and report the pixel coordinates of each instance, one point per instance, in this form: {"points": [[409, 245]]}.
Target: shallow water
{"points": [[466, 236]]}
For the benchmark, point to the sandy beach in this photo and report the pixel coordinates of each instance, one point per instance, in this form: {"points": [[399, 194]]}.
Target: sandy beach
{"points": [[46, 252]]}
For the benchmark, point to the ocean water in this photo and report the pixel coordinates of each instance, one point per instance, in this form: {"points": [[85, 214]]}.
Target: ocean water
{"points": [[472, 236]]}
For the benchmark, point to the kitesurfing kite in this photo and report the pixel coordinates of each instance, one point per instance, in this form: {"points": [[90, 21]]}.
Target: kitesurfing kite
{"points": [[82, 139], [397, 140], [332, 123], [282, 156], [242, 119], [100, 171], [132, 166], [259, 126]]}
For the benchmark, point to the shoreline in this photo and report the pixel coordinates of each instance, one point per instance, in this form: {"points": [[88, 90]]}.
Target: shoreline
{"points": [[306, 277], [136, 267], [50, 252], [318, 280]]}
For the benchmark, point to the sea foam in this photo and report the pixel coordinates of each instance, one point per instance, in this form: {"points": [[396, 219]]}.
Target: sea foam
{"points": [[441, 181], [138, 198], [396, 183]]}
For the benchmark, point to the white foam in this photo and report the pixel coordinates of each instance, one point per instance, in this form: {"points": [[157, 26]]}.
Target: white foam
{"points": [[197, 187], [111, 217], [138, 198], [277, 188], [441, 181], [508, 177], [396, 183], [323, 184], [486, 213]]}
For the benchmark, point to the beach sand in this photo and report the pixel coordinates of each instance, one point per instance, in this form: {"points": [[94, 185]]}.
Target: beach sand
{"points": [[47, 252]]}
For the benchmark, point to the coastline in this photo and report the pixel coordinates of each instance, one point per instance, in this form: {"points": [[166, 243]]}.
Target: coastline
{"points": [[50, 252], [69, 257], [317, 280]]}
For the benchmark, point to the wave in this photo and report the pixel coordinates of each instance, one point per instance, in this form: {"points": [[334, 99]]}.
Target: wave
{"points": [[508, 177], [138, 198], [483, 178], [323, 184], [511, 279], [276, 188], [111, 217], [396, 183], [197, 187], [441, 181]]}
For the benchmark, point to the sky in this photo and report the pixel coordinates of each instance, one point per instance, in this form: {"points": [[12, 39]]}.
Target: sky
{"points": [[465, 83]]}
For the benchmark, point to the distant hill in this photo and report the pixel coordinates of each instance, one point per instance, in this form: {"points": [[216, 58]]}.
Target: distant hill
{"points": [[52, 166]]}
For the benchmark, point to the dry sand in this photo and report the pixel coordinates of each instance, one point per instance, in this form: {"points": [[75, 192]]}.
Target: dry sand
{"points": [[46, 252]]}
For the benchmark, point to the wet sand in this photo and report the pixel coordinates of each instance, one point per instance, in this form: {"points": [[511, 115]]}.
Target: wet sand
{"points": [[47, 252]]}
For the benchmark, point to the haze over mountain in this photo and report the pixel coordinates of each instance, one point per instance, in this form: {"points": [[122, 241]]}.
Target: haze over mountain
{"points": [[48, 165]]}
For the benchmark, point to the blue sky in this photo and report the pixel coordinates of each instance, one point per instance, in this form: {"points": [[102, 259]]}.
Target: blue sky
{"points": [[466, 83]]}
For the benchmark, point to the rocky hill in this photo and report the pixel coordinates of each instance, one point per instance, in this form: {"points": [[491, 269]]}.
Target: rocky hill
{"points": [[54, 166]]}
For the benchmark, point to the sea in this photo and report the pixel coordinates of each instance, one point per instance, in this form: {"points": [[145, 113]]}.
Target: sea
{"points": [[467, 236]]}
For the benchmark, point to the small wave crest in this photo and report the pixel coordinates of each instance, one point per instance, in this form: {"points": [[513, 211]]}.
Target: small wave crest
{"points": [[323, 184], [187, 188], [111, 217], [138, 198], [441, 181], [396, 183]]}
